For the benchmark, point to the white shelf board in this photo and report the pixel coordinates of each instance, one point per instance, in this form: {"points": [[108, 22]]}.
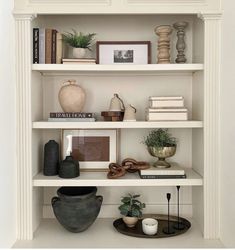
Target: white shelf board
{"points": [[100, 179], [98, 68], [104, 125], [103, 235]]}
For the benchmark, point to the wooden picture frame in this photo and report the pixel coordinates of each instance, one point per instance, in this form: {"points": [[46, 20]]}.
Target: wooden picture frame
{"points": [[123, 52], [94, 149]]}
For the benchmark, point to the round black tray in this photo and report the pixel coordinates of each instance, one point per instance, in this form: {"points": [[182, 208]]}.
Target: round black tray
{"points": [[162, 223]]}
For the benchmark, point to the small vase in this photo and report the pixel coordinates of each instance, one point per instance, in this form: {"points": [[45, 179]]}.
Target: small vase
{"points": [[51, 158], [130, 221], [69, 168], [79, 52], [71, 97]]}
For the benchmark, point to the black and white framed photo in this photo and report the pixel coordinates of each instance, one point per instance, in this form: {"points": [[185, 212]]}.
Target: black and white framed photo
{"points": [[136, 52], [94, 149]]}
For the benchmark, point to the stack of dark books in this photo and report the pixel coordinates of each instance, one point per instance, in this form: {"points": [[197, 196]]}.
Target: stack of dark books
{"points": [[47, 46], [71, 117]]}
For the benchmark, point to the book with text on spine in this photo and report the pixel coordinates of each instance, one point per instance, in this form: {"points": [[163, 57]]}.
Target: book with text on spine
{"points": [[71, 115], [71, 119]]}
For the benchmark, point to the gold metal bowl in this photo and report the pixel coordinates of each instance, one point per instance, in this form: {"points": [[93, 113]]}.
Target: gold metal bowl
{"points": [[162, 153]]}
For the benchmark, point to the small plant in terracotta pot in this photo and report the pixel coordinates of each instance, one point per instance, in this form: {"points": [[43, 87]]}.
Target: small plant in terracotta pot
{"points": [[80, 42], [131, 209]]}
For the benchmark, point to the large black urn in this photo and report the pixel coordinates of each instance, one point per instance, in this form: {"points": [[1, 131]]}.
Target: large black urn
{"points": [[76, 208]]}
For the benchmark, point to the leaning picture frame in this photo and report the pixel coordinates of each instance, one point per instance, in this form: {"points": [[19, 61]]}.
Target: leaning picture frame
{"points": [[94, 149], [123, 52]]}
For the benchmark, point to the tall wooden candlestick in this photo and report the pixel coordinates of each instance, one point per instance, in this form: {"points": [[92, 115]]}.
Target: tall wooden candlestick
{"points": [[180, 46], [163, 32]]}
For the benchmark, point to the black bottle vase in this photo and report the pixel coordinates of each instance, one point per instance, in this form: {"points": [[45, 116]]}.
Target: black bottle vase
{"points": [[69, 168], [51, 158]]}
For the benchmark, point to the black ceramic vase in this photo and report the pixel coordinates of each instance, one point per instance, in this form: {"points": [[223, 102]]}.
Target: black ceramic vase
{"points": [[76, 208], [51, 158], [69, 168]]}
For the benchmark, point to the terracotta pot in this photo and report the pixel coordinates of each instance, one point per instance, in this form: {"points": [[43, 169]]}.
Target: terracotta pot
{"points": [[71, 97], [79, 52], [130, 221]]}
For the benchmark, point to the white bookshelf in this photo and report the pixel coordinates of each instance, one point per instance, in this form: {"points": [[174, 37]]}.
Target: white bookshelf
{"points": [[104, 124], [198, 81]]}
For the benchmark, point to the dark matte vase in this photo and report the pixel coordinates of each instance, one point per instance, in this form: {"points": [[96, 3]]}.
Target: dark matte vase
{"points": [[76, 208], [69, 168], [51, 158]]}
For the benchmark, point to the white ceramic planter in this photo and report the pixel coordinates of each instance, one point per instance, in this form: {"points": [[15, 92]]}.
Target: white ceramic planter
{"points": [[79, 52]]}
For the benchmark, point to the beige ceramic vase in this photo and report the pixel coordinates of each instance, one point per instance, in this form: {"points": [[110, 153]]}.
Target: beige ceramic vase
{"points": [[71, 97], [130, 221]]}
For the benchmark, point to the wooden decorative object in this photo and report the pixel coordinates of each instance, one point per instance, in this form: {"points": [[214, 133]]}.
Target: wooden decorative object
{"points": [[128, 165], [163, 32], [113, 116], [180, 46]]}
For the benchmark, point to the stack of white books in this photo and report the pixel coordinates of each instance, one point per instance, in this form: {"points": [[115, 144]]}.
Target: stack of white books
{"points": [[174, 172], [79, 61], [169, 108]]}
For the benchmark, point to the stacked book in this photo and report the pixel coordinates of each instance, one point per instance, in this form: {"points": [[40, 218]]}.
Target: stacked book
{"points": [[174, 172], [47, 46], [169, 108], [79, 61], [71, 117]]}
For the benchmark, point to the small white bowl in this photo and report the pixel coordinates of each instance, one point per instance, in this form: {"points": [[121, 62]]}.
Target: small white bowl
{"points": [[149, 226]]}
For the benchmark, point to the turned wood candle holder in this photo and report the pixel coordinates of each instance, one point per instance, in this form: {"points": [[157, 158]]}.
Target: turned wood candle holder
{"points": [[163, 32], [180, 45]]}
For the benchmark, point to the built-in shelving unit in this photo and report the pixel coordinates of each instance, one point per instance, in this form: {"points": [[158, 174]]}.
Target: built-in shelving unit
{"points": [[100, 124], [198, 138]]}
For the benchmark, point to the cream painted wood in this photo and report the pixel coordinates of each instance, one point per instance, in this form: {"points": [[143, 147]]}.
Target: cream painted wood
{"points": [[121, 69], [211, 124], [100, 179], [24, 126], [115, 6], [99, 125]]}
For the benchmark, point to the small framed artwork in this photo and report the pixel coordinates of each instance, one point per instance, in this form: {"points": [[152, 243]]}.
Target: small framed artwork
{"points": [[123, 52], [94, 149]]}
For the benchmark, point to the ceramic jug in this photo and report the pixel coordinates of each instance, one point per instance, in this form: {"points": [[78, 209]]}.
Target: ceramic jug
{"points": [[130, 114], [116, 104], [69, 168]]}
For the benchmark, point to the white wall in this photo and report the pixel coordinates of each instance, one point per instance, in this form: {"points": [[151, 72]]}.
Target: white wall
{"points": [[228, 125], [7, 127]]}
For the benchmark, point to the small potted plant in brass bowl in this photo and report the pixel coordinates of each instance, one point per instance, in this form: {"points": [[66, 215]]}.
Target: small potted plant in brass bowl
{"points": [[131, 209], [162, 145]]}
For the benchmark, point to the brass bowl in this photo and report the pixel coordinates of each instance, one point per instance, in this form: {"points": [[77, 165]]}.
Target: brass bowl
{"points": [[162, 153]]}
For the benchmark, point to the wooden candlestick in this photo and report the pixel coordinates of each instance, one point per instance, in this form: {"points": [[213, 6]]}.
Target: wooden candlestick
{"points": [[163, 32], [180, 46]]}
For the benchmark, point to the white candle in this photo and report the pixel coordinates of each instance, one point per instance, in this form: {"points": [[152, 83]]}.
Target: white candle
{"points": [[149, 226]]}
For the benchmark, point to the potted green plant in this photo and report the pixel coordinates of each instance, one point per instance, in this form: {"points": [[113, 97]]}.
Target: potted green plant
{"points": [[131, 209], [162, 145], [80, 42]]}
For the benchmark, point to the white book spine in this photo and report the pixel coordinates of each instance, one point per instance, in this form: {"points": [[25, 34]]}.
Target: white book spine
{"points": [[167, 110], [42, 45], [59, 48], [166, 103], [165, 98], [183, 116], [71, 119], [163, 172]]}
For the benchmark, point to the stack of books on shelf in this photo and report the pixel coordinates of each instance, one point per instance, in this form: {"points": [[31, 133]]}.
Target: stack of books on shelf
{"points": [[47, 46], [169, 108], [71, 117], [174, 172], [79, 61]]}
